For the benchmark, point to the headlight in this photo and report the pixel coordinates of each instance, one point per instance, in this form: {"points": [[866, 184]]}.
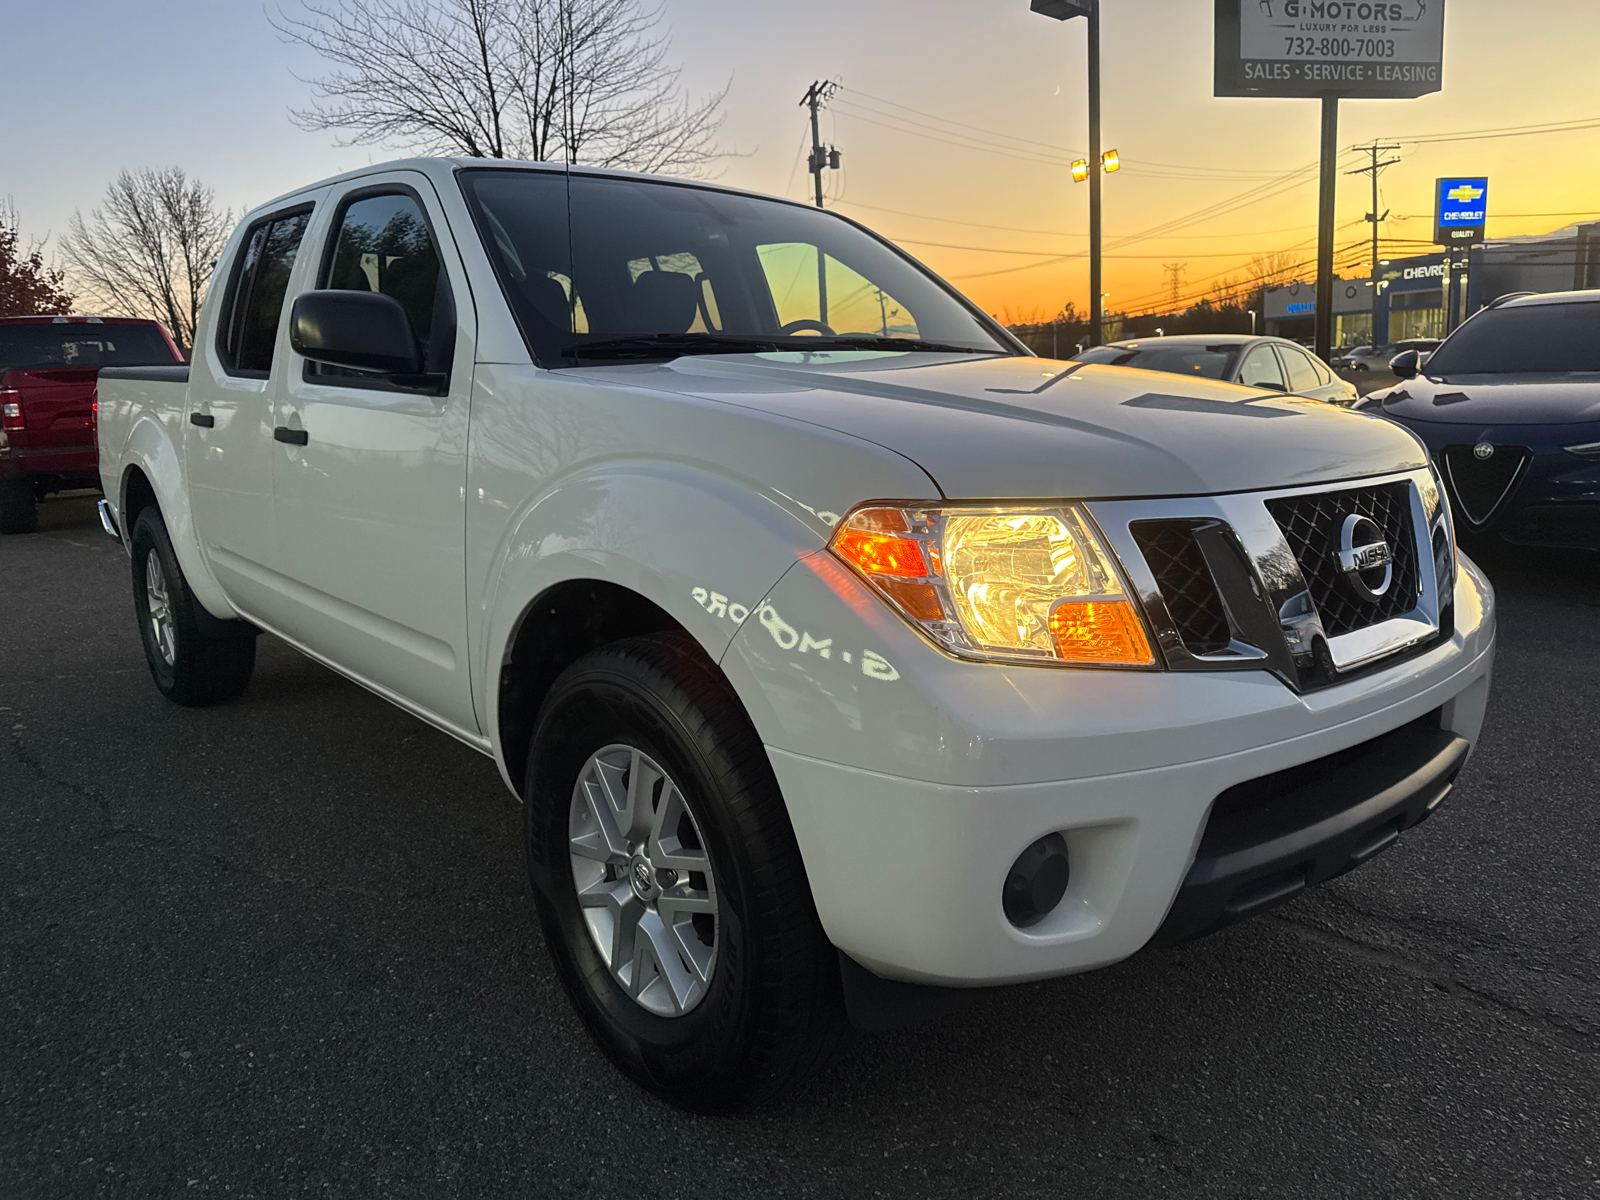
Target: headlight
{"points": [[1005, 583]]}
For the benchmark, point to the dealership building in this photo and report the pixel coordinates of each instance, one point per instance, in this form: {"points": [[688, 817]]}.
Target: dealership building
{"points": [[1414, 292]]}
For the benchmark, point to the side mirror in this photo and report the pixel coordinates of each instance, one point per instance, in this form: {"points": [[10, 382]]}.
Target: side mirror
{"points": [[1406, 364], [361, 331]]}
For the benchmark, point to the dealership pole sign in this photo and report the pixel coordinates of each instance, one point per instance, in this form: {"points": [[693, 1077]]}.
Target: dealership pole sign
{"points": [[1461, 206], [1362, 49]]}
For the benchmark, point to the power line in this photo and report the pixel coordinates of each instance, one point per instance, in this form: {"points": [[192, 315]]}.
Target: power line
{"points": [[1052, 232], [1227, 173]]}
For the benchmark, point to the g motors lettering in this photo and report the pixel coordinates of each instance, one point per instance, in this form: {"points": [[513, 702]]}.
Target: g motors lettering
{"points": [[1329, 47], [873, 664]]}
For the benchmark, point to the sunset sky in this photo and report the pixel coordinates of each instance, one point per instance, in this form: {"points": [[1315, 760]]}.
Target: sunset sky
{"points": [[956, 120]]}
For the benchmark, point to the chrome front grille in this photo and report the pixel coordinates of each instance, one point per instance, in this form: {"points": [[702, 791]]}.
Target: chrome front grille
{"points": [[1195, 605], [1311, 524], [1255, 581]]}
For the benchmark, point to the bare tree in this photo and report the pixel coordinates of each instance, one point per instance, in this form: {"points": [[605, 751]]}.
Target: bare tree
{"points": [[27, 286], [149, 252], [577, 81]]}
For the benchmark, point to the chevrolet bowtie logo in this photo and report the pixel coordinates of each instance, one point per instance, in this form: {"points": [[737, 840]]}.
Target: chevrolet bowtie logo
{"points": [[1464, 194]]}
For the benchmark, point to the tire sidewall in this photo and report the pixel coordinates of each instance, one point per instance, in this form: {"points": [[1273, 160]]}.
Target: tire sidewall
{"points": [[585, 712]]}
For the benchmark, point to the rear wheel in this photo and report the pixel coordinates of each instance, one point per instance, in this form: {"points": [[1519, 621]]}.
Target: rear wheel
{"points": [[188, 666], [669, 883], [19, 507]]}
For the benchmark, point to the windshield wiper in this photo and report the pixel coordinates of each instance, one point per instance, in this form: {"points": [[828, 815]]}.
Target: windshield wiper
{"points": [[671, 345], [867, 341]]}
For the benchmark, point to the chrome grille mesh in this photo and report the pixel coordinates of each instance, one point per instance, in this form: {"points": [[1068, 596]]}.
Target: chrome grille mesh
{"points": [[1311, 526], [1174, 558]]}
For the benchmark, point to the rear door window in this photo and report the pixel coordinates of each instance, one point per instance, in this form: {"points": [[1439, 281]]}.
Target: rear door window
{"points": [[1302, 372], [255, 301], [1260, 369]]}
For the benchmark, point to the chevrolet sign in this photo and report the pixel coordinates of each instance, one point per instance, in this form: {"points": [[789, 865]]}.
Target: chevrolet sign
{"points": [[1462, 208]]}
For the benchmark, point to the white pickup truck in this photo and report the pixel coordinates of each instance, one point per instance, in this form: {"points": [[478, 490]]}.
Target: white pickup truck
{"points": [[842, 652]]}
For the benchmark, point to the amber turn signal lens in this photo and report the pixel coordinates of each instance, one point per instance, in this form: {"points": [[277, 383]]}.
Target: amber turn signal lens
{"points": [[1099, 631], [881, 553]]}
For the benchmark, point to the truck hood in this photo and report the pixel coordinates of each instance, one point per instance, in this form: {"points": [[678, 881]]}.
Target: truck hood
{"points": [[1486, 400], [1011, 428]]}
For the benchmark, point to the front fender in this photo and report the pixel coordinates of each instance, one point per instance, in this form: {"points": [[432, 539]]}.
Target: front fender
{"points": [[693, 543], [152, 449]]}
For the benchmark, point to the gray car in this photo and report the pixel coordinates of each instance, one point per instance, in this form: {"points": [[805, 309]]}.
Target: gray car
{"points": [[1275, 364], [1376, 358]]}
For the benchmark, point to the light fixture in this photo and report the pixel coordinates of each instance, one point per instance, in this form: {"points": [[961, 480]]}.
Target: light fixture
{"points": [[1080, 170], [1000, 583], [1110, 161]]}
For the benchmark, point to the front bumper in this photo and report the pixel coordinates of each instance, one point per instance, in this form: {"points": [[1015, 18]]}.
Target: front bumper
{"points": [[913, 782]]}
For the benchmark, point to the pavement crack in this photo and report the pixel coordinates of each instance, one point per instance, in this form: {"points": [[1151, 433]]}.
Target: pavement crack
{"points": [[1532, 1021], [90, 795]]}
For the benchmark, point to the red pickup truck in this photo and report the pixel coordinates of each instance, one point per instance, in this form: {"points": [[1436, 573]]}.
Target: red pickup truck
{"points": [[48, 367]]}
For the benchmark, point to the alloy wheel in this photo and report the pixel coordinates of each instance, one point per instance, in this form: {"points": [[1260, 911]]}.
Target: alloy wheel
{"points": [[159, 606], [644, 880]]}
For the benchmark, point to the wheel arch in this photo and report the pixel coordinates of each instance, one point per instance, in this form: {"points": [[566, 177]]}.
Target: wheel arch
{"points": [[558, 627], [153, 474]]}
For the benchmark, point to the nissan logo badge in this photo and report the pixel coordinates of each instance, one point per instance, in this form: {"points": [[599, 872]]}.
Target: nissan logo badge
{"points": [[1365, 558]]}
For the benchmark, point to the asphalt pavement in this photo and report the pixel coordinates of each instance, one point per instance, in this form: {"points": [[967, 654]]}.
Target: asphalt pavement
{"points": [[285, 947]]}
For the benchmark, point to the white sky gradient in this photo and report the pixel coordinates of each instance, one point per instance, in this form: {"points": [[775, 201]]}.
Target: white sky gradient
{"points": [[98, 85]]}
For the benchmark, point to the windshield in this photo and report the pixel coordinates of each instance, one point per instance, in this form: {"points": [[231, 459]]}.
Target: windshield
{"points": [[1205, 362], [82, 345], [652, 270], [1536, 339]]}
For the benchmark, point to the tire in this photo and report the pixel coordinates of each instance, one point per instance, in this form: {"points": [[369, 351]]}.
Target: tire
{"points": [[763, 1005], [188, 666], [19, 507]]}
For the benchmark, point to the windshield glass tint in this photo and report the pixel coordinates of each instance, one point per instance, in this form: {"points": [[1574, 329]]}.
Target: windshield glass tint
{"points": [[1535, 339], [1206, 362], [656, 260], [82, 345]]}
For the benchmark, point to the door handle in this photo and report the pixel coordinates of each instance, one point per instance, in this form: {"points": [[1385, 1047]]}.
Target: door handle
{"points": [[204, 420], [290, 437]]}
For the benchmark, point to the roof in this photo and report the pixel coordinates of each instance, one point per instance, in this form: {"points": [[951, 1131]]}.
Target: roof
{"points": [[47, 319], [1591, 296], [434, 168], [1196, 339]]}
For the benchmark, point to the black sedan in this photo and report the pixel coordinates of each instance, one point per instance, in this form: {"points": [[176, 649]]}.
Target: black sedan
{"points": [[1274, 364], [1509, 408]]}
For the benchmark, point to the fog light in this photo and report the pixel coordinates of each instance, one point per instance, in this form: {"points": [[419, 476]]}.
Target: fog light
{"points": [[1036, 881]]}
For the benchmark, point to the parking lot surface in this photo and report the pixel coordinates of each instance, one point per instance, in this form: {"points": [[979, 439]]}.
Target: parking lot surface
{"points": [[285, 946]]}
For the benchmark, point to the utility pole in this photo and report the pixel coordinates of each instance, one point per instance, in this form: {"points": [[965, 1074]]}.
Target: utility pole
{"points": [[821, 158], [1326, 194], [1372, 169], [1174, 280]]}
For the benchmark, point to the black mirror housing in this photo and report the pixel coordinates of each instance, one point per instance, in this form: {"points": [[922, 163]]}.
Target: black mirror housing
{"points": [[360, 331], [1405, 364]]}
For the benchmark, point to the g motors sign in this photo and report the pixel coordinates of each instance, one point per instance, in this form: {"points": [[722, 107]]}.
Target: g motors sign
{"points": [[1461, 209], [1355, 48]]}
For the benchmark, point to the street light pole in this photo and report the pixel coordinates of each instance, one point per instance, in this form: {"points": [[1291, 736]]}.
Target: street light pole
{"points": [[1065, 10], [1096, 304]]}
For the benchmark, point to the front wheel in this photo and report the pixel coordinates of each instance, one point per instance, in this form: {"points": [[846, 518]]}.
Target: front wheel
{"points": [[669, 882], [189, 667]]}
